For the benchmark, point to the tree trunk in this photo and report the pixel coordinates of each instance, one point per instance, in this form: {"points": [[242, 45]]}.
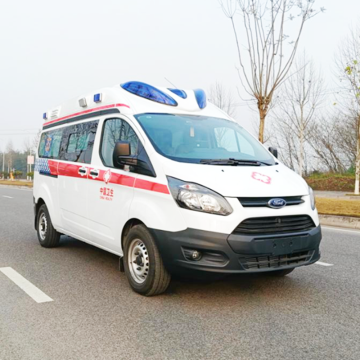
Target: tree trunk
{"points": [[262, 125], [301, 153]]}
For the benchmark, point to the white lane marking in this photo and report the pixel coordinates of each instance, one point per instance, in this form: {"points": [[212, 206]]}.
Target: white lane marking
{"points": [[25, 285], [323, 264], [344, 230], [9, 197]]}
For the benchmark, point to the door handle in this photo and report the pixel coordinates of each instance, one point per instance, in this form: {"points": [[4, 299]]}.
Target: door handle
{"points": [[94, 173], [82, 171]]}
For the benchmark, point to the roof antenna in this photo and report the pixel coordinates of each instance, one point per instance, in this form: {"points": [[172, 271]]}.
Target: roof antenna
{"points": [[170, 83]]}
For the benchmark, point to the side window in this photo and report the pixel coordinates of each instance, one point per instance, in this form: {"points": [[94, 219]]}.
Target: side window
{"points": [[49, 146], [78, 142], [117, 130]]}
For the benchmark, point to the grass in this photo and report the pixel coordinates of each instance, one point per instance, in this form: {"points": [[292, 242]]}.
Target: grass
{"points": [[332, 182], [16, 183], [338, 207]]}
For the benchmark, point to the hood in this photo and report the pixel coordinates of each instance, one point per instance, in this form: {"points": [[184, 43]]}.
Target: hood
{"points": [[240, 181]]}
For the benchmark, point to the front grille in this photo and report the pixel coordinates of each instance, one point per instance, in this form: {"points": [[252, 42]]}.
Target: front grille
{"points": [[271, 262], [263, 201], [275, 225]]}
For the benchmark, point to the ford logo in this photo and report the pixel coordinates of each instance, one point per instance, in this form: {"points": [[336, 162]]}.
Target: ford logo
{"points": [[277, 203]]}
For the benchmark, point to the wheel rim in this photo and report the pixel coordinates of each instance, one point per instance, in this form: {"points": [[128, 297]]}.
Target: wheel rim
{"points": [[138, 261], [43, 226]]}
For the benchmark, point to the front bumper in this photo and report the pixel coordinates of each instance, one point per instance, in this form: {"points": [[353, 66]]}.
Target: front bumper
{"points": [[227, 254]]}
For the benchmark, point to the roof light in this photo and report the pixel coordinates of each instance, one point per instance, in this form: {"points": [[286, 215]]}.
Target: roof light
{"points": [[44, 116], [148, 92], [82, 102], [98, 98], [200, 98], [179, 92]]}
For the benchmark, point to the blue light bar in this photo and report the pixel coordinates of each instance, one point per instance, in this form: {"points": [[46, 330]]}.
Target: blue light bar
{"points": [[148, 92], [44, 116], [179, 92], [200, 98], [97, 98]]}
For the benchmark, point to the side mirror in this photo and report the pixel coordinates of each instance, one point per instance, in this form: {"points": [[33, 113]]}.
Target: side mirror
{"points": [[273, 151], [121, 155]]}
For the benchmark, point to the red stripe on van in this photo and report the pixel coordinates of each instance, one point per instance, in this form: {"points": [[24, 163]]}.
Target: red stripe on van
{"points": [[148, 185], [122, 180], [86, 112], [53, 166], [71, 170]]}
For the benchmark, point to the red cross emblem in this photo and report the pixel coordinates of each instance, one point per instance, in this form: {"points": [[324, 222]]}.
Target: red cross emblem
{"points": [[261, 177]]}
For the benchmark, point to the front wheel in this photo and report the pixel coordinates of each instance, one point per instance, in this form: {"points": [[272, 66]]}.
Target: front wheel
{"points": [[143, 265]]}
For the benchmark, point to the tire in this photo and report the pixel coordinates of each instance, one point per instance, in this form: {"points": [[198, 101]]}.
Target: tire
{"points": [[143, 264], [281, 273], [47, 235]]}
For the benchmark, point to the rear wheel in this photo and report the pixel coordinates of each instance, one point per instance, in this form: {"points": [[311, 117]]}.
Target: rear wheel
{"points": [[143, 265], [281, 273], [47, 235]]}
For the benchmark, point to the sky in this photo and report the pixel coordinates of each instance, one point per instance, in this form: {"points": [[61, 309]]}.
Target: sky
{"points": [[51, 51]]}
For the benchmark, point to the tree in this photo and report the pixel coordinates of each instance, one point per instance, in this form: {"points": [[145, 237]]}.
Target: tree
{"points": [[348, 64], [301, 95], [269, 53], [325, 143], [222, 98]]}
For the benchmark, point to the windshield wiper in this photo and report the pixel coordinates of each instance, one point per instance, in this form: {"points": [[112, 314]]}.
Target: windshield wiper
{"points": [[233, 162]]}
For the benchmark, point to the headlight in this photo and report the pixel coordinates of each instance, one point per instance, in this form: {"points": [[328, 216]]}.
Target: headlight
{"points": [[199, 198], [312, 198]]}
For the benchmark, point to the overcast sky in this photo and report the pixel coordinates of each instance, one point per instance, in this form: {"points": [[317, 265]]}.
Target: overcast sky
{"points": [[51, 51]]}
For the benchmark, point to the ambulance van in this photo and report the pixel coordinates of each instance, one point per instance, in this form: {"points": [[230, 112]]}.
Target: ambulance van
{"points": [[172, 185]]}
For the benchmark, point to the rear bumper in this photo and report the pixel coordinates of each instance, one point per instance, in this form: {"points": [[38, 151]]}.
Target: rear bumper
{"points": [[227, 254]]}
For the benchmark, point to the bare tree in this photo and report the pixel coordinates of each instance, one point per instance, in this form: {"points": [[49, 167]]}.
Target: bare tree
{"points": [[222, 98], [269, 52], [348, 64], [325, 143], [301, 96]]}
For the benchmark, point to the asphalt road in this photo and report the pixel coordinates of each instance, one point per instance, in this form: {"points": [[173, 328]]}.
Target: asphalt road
{"points": [[314, 313]]}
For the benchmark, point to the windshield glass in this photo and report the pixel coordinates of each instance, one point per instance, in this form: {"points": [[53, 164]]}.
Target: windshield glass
{"points": [[195, 139]]}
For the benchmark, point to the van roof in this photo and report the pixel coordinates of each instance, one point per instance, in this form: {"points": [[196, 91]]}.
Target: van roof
{"points": [[132, 98]]}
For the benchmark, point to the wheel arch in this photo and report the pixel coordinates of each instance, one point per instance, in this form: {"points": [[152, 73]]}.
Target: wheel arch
{"points": [[127, 227], [38, 204]]}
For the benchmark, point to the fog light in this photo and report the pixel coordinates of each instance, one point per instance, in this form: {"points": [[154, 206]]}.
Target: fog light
{"points": [[192, 255], [196, 255]]}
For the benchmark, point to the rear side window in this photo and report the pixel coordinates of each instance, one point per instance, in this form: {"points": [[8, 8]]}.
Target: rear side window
{"points": [[49, 146], [78, 142]]}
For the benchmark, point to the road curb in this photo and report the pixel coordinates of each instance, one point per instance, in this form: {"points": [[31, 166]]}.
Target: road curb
{"points": [[341, 221], [15, 187]]}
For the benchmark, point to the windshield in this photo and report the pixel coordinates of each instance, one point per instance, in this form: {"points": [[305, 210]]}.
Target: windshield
{"points": [[202, 139]]}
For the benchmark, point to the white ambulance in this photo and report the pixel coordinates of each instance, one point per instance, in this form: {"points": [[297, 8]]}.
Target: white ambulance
{"points": [[171, 184]]}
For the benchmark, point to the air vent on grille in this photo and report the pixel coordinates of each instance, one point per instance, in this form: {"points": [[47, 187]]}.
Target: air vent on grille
{"points": [[270, 262], [275, 225], [263, 201]]}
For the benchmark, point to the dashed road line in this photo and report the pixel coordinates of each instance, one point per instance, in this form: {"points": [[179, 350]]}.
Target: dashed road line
{"points": [[25, 285], [323, 263], [8, 197]]}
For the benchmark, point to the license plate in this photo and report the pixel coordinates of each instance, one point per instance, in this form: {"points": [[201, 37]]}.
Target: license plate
{"points": [[284, 246]]}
